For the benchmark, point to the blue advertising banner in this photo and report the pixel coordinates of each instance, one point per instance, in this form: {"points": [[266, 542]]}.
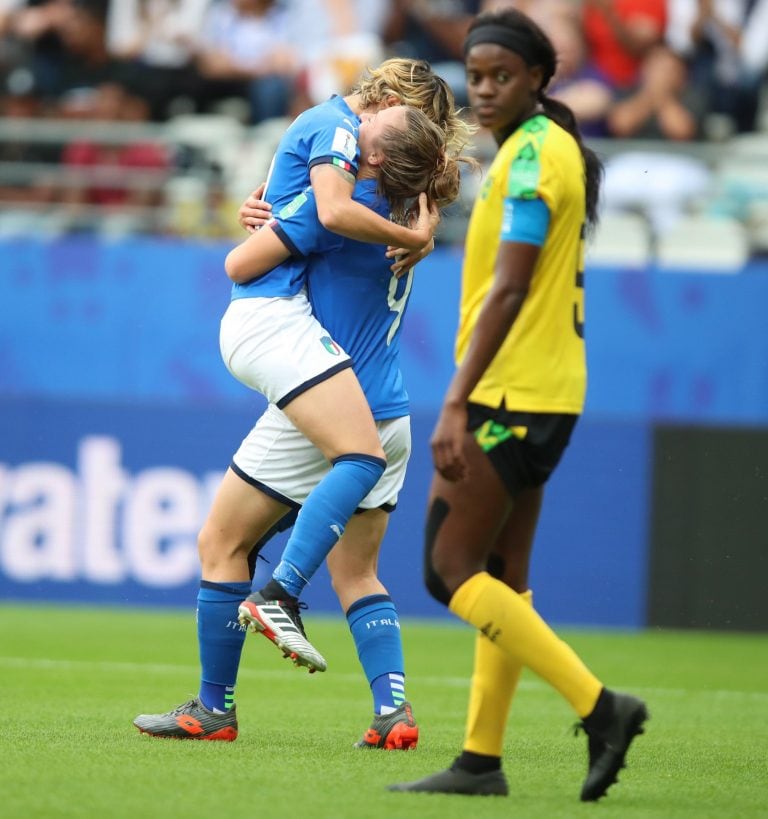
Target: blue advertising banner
{"points": [[101, 503], [138, 320], [117, 419]]}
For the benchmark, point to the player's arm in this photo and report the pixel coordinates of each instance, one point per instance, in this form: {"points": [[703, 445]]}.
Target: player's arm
{"points": [[338, 213], [257, 255], [293, 232], [521, 241]]}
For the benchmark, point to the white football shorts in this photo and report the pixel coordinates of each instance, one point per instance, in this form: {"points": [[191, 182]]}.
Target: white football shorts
{"points": [[277, 459], [276, 346]]}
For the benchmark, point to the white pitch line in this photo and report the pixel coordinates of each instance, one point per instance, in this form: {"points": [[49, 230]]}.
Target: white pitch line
{"points": [[44, 664], [47, 664]]}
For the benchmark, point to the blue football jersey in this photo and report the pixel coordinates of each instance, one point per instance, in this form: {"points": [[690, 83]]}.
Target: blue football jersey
{"points": [[306, 236], [355, 296], [324, 134]]}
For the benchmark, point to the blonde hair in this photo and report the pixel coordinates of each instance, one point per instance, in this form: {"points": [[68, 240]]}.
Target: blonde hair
{"points": [[415, 84], [416, 161]]}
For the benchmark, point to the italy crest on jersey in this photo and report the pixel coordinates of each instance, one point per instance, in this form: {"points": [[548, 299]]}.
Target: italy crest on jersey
{"points": [[330, 345]]}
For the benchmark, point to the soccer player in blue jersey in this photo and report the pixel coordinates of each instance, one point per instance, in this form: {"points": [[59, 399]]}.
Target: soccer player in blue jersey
{"points": [[288, 356], [275, 469]]}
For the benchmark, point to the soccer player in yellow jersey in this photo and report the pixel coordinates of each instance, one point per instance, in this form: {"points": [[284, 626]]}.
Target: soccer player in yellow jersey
{"points": [[512, 404]]}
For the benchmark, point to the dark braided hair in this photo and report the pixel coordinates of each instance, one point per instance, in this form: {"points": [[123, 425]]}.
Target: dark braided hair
{"points": [[516, 31]]}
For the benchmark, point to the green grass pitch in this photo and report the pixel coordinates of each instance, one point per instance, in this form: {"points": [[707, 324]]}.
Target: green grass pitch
{"points": [[72, 679]]}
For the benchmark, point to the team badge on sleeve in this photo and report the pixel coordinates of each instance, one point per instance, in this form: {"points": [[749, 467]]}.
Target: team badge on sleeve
{"points": [[344, 143]]}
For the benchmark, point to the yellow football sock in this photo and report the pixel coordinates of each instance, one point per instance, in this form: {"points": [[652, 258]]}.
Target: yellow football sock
{"points": [[494, 682], [512, 625]]}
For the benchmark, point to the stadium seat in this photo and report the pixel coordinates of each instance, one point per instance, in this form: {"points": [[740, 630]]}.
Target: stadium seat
{"points": [[663, 186], [185, 204], [621, 240], [249, 168], [715, 244], [218, 135], [753, 145], [757, 225]]}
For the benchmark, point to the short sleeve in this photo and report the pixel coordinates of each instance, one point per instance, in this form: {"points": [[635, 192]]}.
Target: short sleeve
{"points": [[299, 229], [334, 141], [532, 173]]}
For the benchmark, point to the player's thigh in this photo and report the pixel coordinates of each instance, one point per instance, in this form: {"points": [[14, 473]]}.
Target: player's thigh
{"points": [[511, 554], [524, 448], [335, 416], [239, 516], [465, 518], [276, 457]]}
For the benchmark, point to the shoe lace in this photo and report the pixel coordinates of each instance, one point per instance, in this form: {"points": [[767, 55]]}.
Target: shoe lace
{"points": [[293, 608], [184, 707], [595, 745]]}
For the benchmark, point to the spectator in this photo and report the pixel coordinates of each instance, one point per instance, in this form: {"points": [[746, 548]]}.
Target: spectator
{"points": [[9, 48], [338, 40], [658, 107], [620, 34], [29, 38], [433, 30], [20, 99], [725, 43], [625, 41], [86, 63], [157, 39], [246, 49], [577, 83], [113, 181]]}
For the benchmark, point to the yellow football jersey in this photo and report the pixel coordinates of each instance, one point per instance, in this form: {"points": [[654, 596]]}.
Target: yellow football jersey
{"points": [[541, 366]]}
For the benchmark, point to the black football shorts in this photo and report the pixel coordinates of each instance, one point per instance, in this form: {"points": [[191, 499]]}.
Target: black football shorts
{"points": [[524, 447]]}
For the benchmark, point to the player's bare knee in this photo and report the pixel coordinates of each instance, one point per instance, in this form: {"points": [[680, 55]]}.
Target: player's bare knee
{"points": [[208, 551], [204, 545], [346, 577], [339, 579], [213, 550]]}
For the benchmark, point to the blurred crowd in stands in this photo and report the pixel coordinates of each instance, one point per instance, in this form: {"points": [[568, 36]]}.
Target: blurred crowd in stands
{"points": [[671, 70]]}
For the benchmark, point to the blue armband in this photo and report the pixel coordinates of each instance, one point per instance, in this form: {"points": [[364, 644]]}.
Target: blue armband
{"points": [[525, 220]]}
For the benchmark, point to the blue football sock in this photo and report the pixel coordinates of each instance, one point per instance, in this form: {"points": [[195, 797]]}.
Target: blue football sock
{"points": [[323, 516], [220, 638], [376, 632], [388, 693]]}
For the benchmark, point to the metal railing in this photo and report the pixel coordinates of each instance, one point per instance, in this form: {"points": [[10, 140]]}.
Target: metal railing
{"points": [[207, 171]]}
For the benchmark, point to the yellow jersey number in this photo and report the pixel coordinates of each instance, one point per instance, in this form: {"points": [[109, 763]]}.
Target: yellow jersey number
{"points": [[578, 317]]}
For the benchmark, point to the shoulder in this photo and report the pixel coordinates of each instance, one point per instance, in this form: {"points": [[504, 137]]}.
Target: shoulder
{"points": [[330, 127], [332, 110], [537, 157], [539, 140]]}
